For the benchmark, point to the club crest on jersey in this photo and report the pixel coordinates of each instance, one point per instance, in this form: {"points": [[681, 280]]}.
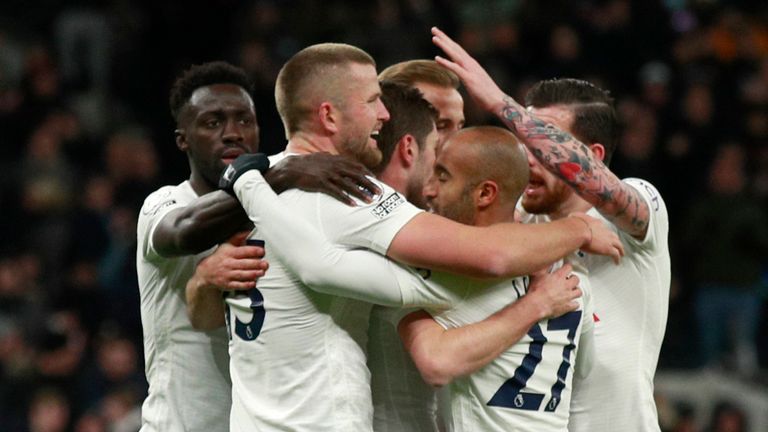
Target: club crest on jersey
{"points": [[388, 205], [519, 401]]}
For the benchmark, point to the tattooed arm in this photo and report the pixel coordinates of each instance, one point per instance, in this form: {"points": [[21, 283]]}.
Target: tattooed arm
{"points": [[557, 150]]}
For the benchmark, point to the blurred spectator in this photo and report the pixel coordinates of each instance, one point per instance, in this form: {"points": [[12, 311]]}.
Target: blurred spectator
{"points": [[115, 366], [635, 157], [727, 239], [84, 129], [49, 412], [727, 417]]}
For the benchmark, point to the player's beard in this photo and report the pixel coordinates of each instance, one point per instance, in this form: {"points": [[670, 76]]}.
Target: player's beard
{"points": [[414, 191], [554, 195], [359, 150], [462, 210]]}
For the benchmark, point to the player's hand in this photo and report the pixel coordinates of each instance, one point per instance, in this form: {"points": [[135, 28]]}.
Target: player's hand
{"points": [[232, 266], [476, 80], [332, 175], [603, 241], [241, 165], [555, 292]]}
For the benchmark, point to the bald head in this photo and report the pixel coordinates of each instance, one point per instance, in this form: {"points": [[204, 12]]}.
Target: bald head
{"points": [[492, 153], [479, 176]]}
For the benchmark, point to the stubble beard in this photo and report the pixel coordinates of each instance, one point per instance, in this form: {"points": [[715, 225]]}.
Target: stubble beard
{"points": [[461, 211], [368, 156], [547, 203]]}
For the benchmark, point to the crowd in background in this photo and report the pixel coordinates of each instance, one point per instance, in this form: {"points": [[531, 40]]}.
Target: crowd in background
{"points": [[86, 134]]}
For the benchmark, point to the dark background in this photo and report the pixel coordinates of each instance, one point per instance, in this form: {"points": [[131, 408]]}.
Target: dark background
{"points": [[86, 134]]}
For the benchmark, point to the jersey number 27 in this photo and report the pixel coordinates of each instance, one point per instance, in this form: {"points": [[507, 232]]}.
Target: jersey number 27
{"points": [[510, 394]]}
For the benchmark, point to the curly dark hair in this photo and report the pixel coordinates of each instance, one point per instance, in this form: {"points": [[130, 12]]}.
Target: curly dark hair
{"points": [[216, 72]]}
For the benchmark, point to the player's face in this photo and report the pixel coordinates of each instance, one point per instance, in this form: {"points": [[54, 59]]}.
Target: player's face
{"points": [[449, 105], [362, 114], [421, 171], [218, 124], [449, 192], [545, 192]]}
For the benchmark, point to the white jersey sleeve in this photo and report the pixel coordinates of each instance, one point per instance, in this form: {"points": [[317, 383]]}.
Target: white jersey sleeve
{"points": [[320, 264], [658, 224], [156, 206]]}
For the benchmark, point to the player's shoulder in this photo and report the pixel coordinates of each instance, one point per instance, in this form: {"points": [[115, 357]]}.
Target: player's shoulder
{"points": [[163, 197], [645, 187], [384, 202]]}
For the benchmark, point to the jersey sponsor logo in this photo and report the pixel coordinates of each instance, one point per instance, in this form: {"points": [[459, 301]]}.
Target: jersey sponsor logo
{"points": [[387, 206]]}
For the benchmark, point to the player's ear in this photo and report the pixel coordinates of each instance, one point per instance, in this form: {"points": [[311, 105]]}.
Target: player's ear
{"points": [[486, 193], [328, 116], [181, 139], [598, 150], [407, 150]]}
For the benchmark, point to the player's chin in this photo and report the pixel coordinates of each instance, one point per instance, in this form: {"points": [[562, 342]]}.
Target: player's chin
{"points": [[533, 204]]}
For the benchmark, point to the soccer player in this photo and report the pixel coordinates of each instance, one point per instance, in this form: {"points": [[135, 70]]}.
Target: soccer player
{"points": [[402, 401], [504, 369], [297, 353], [439, 86], [570, 131], [187, 370]]}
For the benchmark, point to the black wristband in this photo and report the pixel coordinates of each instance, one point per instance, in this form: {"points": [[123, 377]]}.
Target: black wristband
{"points": [[241, 165]]}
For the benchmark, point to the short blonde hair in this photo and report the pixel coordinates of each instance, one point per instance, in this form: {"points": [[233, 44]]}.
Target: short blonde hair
{"points": [[312, 72], [425, 71]]}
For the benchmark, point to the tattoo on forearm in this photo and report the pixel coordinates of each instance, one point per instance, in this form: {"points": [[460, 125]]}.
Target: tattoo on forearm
{"points": [[573, 162]]}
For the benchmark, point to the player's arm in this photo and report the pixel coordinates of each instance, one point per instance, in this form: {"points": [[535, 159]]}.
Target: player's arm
{"points": [[317, 263], [441, 355], [501, 250], [427, 240], [557, 150], [214, 217], [229, 267]]}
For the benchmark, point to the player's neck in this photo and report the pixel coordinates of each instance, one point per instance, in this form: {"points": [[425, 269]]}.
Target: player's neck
{"points": [[396, 178], [303, 143], [573, 204], [199, 184], [494, 215]]}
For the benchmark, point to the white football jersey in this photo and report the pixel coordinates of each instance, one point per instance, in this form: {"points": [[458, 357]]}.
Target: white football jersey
{"points": [[187, 369], [631, 304], [298, 357], [402, 401], [528, 387]]}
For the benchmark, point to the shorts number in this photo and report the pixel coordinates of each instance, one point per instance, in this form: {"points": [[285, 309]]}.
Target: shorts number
{"points": [[510, 394]]}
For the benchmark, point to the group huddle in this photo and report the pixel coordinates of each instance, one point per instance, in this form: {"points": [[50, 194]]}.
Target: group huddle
{"points": [[391, 270]]}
